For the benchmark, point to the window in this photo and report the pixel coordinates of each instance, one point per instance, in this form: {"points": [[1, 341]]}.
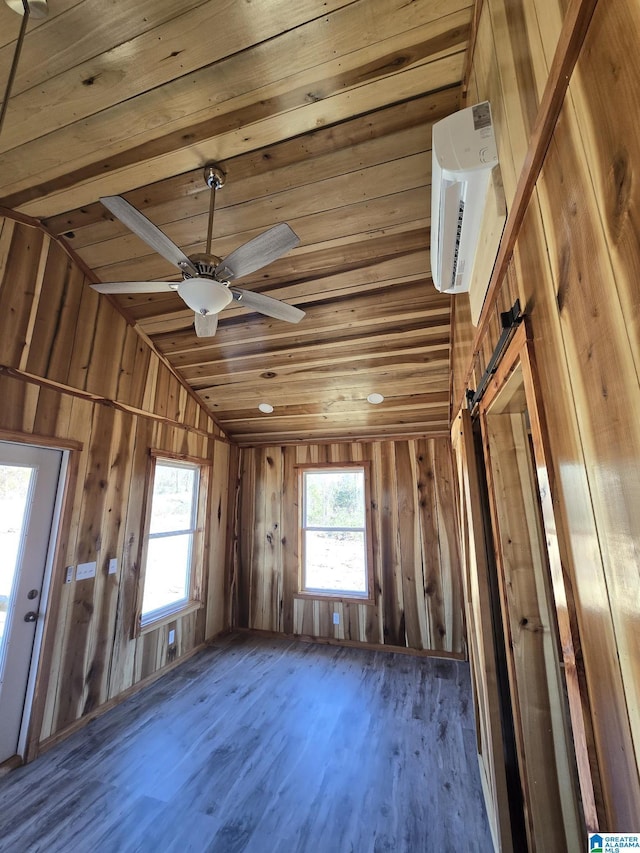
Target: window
{"points": [[172, 556], [334, 536]]}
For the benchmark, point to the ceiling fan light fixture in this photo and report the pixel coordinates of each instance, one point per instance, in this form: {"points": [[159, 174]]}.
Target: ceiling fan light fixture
{"points": [[204, 296]]}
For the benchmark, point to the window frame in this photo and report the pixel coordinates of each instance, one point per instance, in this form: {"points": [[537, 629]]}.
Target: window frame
{"points": [[199, 544], [367, 597]]}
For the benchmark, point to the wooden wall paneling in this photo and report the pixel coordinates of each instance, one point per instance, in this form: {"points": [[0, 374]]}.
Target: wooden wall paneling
{"points": [[17, 291], [431, 590], [604, 79], [122, 673], [45, 358], [105, 599], [604, 386], [411, 565], [217, 618], [104, 349], [289, 538], [35, 301], [482, 652], [80, 428], [74, 689], [447, 540], [391, 574], [244, 527]]}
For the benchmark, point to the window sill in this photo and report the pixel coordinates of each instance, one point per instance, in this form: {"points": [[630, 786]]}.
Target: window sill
{"points": [[334, 596], [178, 613]]}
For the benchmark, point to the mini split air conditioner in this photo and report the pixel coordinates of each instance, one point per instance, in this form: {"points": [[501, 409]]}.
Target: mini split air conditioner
{"points": [[464, 153]]}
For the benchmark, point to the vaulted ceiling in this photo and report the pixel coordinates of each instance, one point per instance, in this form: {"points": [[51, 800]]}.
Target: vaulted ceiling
{"points": [[320, 113]]}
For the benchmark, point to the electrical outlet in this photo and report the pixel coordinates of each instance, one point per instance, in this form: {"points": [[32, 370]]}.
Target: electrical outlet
{"points": [[172, 636], [85, 570], [69, 574], [113, 566], [336, 618]]}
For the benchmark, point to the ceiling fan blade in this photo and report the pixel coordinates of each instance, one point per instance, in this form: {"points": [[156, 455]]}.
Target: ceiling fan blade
{"points": [[257, 253], [135, 286], [267, 305], [147, 231], [205, 324]]}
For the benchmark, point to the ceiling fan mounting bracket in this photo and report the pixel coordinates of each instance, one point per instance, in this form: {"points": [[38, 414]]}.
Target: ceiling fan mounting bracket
{"points": [[214, 177]]}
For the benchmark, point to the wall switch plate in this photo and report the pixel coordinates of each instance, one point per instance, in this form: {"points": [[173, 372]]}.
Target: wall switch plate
{"points": [[68, 574], [172, 636], [336, 618], [113, 566], [85, 570]]}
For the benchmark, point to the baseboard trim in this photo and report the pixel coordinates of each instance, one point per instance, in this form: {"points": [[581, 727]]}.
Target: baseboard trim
{"points": [[354, 644]]}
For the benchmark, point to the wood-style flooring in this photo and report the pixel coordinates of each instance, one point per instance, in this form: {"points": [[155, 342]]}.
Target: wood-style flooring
{"points": [[265, 745]]}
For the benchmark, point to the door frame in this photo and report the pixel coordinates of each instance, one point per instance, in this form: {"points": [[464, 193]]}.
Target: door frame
{"points": [[53, 581], [520, 356]]}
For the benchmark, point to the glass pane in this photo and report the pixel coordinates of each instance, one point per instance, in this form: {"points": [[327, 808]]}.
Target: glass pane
{"points": [[14, 495], [167, 576], [173, 498], [334, 498], [335, 561]]}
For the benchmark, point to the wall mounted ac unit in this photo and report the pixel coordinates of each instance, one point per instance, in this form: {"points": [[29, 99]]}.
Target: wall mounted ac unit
{"points": [[464, 153]]}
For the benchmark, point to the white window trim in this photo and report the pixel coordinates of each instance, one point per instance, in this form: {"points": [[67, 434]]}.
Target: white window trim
{"points": [[155, 618], [308, 592]]}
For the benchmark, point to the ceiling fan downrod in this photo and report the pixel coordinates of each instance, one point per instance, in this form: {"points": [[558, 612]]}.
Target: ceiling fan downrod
{"points": [[214, 178], [37, 8]]}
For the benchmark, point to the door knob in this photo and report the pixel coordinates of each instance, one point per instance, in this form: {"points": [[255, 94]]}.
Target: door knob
{"points": [[31, 616]]}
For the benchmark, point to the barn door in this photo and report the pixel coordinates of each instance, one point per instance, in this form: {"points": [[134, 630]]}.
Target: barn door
{"points": [[482, 641], [29, 488], [538, 689]]}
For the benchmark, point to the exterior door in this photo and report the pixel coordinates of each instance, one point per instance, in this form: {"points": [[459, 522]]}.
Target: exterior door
{"points": [[29, 487]]}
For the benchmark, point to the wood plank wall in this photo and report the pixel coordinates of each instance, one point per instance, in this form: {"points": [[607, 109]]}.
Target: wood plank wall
{"points": [[575, 269], [72, 371], [415, 546]]}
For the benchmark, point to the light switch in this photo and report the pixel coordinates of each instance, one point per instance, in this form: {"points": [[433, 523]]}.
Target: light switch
{"points": [[336, 618], [85, 570], [172, 636], [113, 566], [69, 574]]}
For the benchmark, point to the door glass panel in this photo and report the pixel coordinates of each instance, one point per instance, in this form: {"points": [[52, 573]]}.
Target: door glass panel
{"points": [[15, 486]]}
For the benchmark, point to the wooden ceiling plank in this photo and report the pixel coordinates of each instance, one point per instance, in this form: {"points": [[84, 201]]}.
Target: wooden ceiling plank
{"points": [[436, 400], [151, 309], [330, 195], [229, 371], [180, 347], [76, 32], [272, 164], [229, 93], [356, 219], [142, 166], [337, 166]]}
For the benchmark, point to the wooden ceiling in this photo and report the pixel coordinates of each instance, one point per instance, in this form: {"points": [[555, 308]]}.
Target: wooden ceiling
{"points": [[320, 113]]}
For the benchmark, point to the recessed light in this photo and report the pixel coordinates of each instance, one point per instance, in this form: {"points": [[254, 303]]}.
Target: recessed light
{"points": [[375, 398], [267, 408]]}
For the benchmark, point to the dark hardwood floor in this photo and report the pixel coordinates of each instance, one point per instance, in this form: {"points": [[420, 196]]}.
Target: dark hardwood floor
{"points": [[265, 745]]}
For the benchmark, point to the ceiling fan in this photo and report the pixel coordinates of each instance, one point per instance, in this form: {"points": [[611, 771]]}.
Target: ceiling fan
{"points": [[205, 285]]}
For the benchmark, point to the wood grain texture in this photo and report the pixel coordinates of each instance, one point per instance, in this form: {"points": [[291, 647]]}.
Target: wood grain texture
{"points": [[336, 140], [74, 373], [266, 744], [574, 268], [417, 596]]}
